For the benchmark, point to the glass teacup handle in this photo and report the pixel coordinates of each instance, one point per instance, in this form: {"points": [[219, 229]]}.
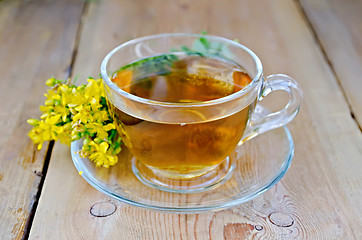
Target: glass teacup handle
{"points": [[263, 120]]}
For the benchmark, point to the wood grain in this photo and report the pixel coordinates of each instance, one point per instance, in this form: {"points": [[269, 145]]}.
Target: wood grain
{"points": [[338, 26], [320, 196], [36, 41], [126, 20]]}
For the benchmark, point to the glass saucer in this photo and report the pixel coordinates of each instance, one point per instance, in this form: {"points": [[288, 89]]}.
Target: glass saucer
{"points": [[259, 164]]}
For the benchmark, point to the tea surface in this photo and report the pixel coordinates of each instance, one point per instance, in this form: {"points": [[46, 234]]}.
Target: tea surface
{"points": [[188, 79]]}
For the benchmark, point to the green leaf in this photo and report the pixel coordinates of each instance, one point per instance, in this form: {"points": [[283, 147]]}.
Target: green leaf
{"points": [[205, 42], [160, 65]]}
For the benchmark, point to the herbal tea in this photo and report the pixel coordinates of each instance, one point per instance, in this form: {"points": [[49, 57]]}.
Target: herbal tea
{"points": [[181, 149]]}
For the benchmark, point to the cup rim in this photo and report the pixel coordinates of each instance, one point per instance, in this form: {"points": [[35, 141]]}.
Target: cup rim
{"points": [[227, 98]]}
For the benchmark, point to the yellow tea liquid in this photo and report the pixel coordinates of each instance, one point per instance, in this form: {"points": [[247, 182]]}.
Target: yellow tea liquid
{"points": [[182, 149]]}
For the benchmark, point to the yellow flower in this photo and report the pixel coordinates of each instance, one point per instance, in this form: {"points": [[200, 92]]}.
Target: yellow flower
{"points": [[49, 128], [101, 156], [45, 130], [36, 136], [94, 89], [74, 98], [52, 95], [65, 136], [63, 88], [63, 111], [71, 113], [83, 115], [101, 116], [99, 129]]}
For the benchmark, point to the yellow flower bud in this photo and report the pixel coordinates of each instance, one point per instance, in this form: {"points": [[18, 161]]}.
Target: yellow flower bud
{"points": [[75, 137], [86, 141], [50, 82], [33, 121], [49, 102]]}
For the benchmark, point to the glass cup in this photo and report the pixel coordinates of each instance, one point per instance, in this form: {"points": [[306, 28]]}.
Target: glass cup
{"points": [[184, 146]]}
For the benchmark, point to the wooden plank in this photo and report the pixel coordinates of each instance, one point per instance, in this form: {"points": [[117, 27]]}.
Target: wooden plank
{"points": [[139, 19], [36, 41], [320, 196], [338, 26]]}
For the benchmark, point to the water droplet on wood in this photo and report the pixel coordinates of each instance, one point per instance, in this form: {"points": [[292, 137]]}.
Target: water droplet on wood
{"points": [[103, 209], [258, 227], [281, 219]]}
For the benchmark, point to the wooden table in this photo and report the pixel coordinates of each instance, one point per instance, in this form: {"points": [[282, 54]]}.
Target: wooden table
{"points": [[318, 42]]}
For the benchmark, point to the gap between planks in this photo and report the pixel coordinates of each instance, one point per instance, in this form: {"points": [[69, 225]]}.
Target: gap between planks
{"points": [[51, 144], [40, 187], [326, 58]]}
